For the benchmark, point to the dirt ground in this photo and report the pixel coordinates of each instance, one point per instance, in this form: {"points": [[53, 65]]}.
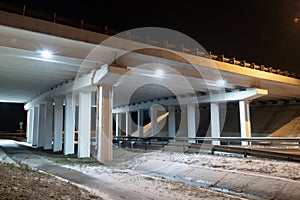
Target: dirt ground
{"points": [[23, 183]]}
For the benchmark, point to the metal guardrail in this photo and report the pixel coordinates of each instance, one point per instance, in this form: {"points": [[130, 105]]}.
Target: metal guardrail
{"points": [[147, 141], [187, 140], [198, 144], [257, 153], [240, 139]]}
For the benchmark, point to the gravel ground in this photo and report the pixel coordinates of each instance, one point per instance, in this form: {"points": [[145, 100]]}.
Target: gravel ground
{"points": [[23, 183]]}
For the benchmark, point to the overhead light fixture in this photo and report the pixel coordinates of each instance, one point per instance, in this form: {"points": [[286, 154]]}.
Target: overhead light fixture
{"points": [[159, 73], [221, 83], [44, 53]]}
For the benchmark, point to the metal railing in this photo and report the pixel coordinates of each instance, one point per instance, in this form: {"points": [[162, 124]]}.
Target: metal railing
{"points": [[199, 143]]}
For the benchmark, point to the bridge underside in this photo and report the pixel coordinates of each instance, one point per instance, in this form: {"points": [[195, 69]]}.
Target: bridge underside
{"points": [[132, 88]]}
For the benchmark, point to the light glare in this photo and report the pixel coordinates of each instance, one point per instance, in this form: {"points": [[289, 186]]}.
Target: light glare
{"points": [[159, 73], [46, 54], [221, 83]]}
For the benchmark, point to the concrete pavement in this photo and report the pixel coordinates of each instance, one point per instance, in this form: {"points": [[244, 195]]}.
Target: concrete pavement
{"points": [[248, 184], [253, 185]]}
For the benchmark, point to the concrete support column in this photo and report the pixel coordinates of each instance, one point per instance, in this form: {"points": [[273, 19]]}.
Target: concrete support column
{"points": [[48, 125], [58, 123], [154, 124], [30, 124], [128, 124], [215, 122], [245, 121], [171, 121], [84, 125], [105, 103], [41, 133], [191, 121], [118, 124], [35, 127], [69, 136], [140, 123]]}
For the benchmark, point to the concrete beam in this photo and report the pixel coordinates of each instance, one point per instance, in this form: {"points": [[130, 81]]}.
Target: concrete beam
{"points": [[30, 125], [250, 94], [105, 101], [48, 125], [140, 123], [84, 125], [171, 121], [35, 126], [106, 75], [118, 124], [245, 122], [215, 122], [69, 136], [41, 133], [191, 121], [58, 123], [128, 124], [154, 123]]}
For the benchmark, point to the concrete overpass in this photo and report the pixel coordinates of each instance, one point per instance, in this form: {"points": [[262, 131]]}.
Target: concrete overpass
{"points": [[90, 76]]}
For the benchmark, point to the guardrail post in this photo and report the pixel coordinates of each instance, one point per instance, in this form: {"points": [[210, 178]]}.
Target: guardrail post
{"points": [[132, 143], [245, 153], [145, 146]]}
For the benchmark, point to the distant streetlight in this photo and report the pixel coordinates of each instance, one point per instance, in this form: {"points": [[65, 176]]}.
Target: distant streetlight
{"points": [[21, 125], [296, 20]]}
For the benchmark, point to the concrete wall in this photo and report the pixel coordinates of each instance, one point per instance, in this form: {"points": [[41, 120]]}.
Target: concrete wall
{"points": [[266, 120]]}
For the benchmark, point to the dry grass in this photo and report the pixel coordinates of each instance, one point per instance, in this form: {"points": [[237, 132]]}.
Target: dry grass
{"points": [[24, 183]]}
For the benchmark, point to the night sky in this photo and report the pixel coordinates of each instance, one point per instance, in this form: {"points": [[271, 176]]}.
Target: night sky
{"points": [[262, 31], [11, 114]]}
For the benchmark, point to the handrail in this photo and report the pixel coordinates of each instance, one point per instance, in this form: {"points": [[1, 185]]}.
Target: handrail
{"points": [[239, 139], [209, 139], [256, 152]]}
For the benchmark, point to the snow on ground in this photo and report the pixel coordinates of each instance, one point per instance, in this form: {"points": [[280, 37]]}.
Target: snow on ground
{"points": [[121, 172]]}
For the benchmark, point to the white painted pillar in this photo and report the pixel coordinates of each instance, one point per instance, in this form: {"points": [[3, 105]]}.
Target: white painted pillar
{"points": [[140, 123], [35, 126], [105, 125], [58, 123], [154, 124], [171, 121], [118, 124], [84, 125], [48, 125], [128, 124], [69, 136], [191, 121], [215, 122], [41, 133], [245, 120], [30, 125]]}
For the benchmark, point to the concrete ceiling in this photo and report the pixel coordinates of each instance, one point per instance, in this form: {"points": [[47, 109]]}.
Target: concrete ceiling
{"points": [[24, 73]]}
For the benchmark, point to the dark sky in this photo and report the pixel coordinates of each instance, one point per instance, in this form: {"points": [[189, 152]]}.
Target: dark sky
{"points": [[11, 114], [261, 31]]}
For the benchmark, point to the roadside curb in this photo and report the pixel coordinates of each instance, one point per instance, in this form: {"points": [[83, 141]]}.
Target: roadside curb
{"points": [[5, 158], [251, 185]]}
